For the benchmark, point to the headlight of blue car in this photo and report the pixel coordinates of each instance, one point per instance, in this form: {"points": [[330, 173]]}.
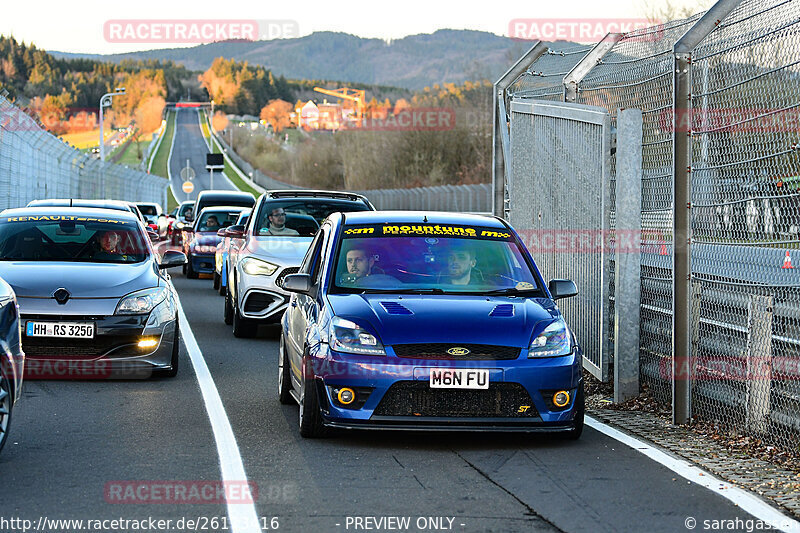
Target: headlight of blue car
{"points": [[348, 337], [140, 302], [257, 267], [554, 341]]}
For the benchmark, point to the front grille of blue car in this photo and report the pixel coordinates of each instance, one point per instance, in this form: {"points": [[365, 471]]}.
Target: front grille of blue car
{"points": [[417, 399], [477, 352]]}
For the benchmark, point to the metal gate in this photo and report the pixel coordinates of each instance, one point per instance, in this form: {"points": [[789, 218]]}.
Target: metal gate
{"points": [[559, 186]]}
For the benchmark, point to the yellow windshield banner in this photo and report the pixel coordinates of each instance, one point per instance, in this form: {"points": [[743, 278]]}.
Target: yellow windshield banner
{"points": [[428, 230], [61, 218]]}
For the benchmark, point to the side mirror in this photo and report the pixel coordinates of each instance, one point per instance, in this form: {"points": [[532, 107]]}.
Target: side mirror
{"points": [[561, 288], [222, 232], [300, 283], [235, 232], [172, 258], [152, 234]]}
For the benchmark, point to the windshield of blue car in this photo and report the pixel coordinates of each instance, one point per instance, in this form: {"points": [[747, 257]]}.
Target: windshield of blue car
{"points": [[428, 258], [71, 238], [300, 216], [216, 220]]}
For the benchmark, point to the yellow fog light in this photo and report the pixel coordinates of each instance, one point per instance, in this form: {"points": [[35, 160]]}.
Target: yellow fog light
{"points": [[561, 398], [148, 343], [346, 396]]}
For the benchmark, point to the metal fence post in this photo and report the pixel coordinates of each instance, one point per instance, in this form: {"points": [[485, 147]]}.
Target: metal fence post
{"points": [[579, 71], [759, 362], [682, 207], [681, 240], [500, 136], [627, 256]]}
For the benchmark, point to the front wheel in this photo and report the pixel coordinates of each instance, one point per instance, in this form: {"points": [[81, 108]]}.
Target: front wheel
{"points": [[191, 273], [311, 426], [216, 281], [172, 371], [242, 327], [227, 315], [5, 408]]}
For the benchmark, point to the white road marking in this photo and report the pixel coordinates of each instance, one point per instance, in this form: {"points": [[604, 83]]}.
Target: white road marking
{"points": [[243, 516], [740, 497]]}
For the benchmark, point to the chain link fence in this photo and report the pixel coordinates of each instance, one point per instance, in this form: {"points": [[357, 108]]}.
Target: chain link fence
{"points": [[739, 133], [35, 164]]}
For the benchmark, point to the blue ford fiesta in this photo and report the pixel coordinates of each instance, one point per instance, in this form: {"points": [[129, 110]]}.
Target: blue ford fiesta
{"points": [[427, 321]]}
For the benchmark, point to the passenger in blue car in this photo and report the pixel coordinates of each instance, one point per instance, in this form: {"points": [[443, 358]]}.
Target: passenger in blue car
{"points": [[461, 269]]}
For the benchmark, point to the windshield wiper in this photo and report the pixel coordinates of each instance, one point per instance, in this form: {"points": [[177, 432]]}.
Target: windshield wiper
{"points": [[512, 291], [435, 290]]}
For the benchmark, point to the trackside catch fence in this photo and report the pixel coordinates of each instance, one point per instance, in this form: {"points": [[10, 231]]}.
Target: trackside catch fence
{"points": [[712, 218], [34, 164]]}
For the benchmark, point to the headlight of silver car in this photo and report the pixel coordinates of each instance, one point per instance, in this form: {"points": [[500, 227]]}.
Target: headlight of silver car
{"points": [[349, 337], [257, 267], [552, 342], [140, 302]]}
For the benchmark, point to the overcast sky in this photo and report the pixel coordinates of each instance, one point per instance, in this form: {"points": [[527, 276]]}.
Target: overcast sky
{"points": [[78, 26]]}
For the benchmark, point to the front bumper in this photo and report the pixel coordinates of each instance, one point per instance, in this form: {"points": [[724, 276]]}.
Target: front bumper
{"points": [[112, 353], [261, 297], [393, 393], [202, 263]]}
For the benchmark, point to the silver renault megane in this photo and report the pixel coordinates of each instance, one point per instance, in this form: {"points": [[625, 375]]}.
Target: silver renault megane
{"points": [[94, 298]]}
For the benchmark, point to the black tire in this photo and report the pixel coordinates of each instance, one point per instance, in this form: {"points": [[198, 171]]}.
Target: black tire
{"points": [[222, 287], [242, 327], [190, 272], [6, 406], [216, 281], [311, 426], [284, 375], [580, 409], [227, 315], [176, 350], [183, 268]]}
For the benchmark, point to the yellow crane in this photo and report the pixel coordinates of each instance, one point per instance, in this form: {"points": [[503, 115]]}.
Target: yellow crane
{"points": [[357, 96]]}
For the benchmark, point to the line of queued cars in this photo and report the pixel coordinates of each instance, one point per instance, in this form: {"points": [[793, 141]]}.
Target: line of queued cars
{"points": [[397, 320], [83, 296]]}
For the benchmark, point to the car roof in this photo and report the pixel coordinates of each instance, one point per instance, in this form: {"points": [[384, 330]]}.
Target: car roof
{"points": [[80, 202], [421, 217], [204, 195], [222, 209], [122, 214], [314, 193]]}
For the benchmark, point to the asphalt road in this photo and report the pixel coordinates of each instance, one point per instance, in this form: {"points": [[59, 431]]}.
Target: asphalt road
{"points": [[71, 439], [190, 145]]}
